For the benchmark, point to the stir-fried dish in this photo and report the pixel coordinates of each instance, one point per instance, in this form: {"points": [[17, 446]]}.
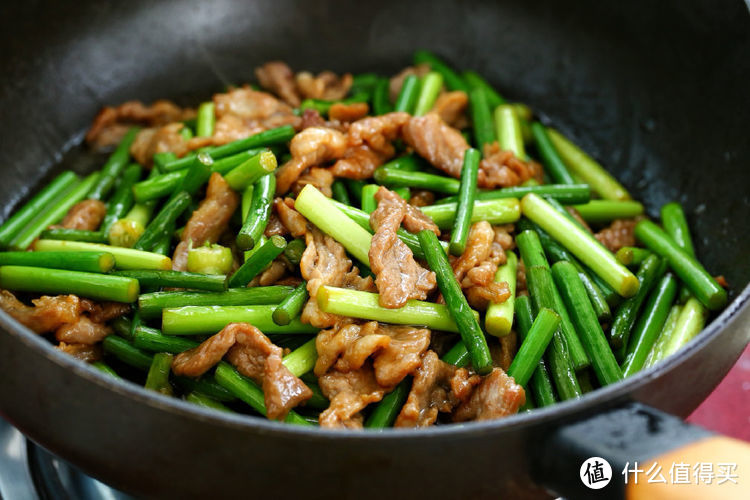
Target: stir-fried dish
{"points": [[353, 251]]}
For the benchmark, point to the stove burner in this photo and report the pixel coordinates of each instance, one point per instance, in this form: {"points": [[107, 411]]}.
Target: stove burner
{"points": [[28, 471]]}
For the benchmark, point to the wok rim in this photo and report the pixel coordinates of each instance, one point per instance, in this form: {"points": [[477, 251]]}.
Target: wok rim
{"points": [[250, 423]]}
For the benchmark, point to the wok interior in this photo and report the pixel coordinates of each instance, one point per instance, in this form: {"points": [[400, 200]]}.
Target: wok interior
{"points": [[655, 90], [656, 93]]}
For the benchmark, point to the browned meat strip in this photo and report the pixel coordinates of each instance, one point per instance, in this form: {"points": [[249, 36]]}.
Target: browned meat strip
{"points": [[397, 81], [258, 358], [437, 142], [395, 350], [198, 360], [150, 141], [82, 331], [378, 132], [403, 355], [359, 162], [398, 276], [326, 85], [273, 273], [313, 146], [254, 356], [292, 220], [311, 118], [274, 226], [503, 236], [421, 198], [101, 312], [354, 281], [230, 128], [86, 214], [502, 169], [243, 111], [111, 124], [479, 297], [619, 234], [209, 221], [521, 278], [415, 220], [504, 350], [475, 269], [497, 396], [84, 352], [437, 387], [324, 262], [46, 315], [348, 112], [349, 393], [451, 107], [347, 347], [277, 77], [321, 178]]}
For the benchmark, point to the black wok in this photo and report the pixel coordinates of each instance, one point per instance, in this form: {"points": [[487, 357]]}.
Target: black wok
{"points": [[656, 90]]}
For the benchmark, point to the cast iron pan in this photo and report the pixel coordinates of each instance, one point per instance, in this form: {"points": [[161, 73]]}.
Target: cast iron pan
{"points": [[656, 90]]}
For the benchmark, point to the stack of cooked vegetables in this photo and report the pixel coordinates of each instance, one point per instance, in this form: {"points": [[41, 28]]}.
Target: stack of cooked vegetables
{"points": [[353, 251]]}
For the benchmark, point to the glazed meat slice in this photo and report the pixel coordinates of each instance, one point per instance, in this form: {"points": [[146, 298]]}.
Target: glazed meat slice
{"points": [[349, 393], [504, 350], [502, 169], [311, 118], [258, 358], [321, 178], [378, 132], [83, 331], [111, 124], [313, 146], [274, 226], [437, 387], [475, 269], [326, 85], [46, 315], [254, 356], [277, 77], [150, 141], [359, 162], [451, 107], [84, 352], [198, 360], [209, 221], [273, 273], [403, 355], [242, 112], [74, 320], [346, 347], [398, 276], [324, 262], [348, 112], [256, 109], [618, 234], [101, 312], [421, 198], [86, 214], [89, 328], [497, 396], [394, 350], [436, 141], [292, 220]]}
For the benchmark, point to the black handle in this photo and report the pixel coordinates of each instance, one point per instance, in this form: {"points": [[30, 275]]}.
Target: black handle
{"points": [[620, 436]]}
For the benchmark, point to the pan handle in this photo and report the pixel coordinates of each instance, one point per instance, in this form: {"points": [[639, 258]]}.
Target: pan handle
{"points": [[637, 452]]}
